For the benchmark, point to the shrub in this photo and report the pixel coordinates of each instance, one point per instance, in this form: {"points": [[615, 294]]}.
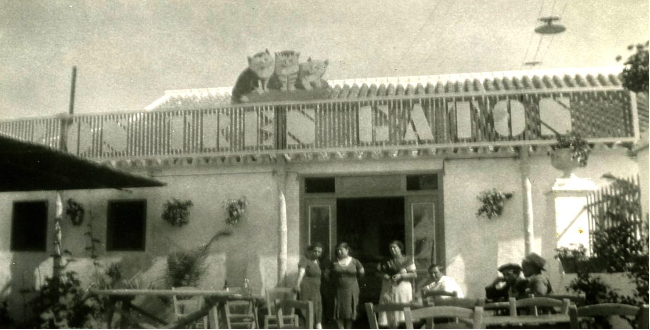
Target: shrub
{"points": [[62, 303]]}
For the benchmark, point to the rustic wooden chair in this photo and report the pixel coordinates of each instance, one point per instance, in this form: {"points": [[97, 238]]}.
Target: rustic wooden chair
{"points": [[604, 310], [467, 318], [373, 310], [240, 314], [457, 302], [272, 297], [184, 305], [535, 305], [306, 307], [576, 300], [432, 294]]}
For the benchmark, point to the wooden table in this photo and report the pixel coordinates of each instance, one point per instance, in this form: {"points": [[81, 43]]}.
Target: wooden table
{"points": [[525, 320], [212, 299]]}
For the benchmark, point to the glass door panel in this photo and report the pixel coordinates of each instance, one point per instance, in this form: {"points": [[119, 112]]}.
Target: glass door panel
{"points": [[422, 237], [321, 224]]}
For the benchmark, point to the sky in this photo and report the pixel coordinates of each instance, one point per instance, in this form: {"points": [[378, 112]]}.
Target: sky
{"points": [[127, 53]]}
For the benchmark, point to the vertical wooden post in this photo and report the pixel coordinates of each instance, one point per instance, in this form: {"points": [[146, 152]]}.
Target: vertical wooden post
{"points": [[529, 235], [67, 120]]}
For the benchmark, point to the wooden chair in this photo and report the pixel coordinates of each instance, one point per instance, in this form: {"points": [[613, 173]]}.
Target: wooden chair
{"points": [[184, 305], [457, 302], [472, 318], [576, 300], [240, 314], [534, 305], [426, 294], [372, 310], [605, 310], [272, 297], [306, 307]]}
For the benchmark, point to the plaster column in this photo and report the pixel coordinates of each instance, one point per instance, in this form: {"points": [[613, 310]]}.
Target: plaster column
{"points": [[281, 176], [529, 233], [571, 218]]}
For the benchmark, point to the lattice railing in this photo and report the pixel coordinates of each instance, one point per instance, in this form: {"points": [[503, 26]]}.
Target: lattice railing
{"points": [[442, 119]]}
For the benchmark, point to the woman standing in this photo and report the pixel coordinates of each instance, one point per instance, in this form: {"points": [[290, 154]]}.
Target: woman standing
{"points": [[398, 272], [308, 282], [345, 272]]}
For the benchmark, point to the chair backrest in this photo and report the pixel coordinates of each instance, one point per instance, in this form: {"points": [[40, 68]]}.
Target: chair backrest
{"points": [[576, 300], [372, 310], [279, 294], [307, 308], [184, 305], [240, 312], [458, 302], [640, 313], [472, 317], [561, 306]]}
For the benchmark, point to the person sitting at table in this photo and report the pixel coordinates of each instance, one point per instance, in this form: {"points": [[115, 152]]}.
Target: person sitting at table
{"points": [[442, 283], [538, 284], [508, 285]]}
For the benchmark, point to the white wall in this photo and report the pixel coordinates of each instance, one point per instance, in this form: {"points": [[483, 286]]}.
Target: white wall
{"points": [[475, 247]]}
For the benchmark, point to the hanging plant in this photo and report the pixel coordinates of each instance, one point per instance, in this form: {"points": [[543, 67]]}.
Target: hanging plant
{"points": [[577, 146], [177, 212], [493, 201], [235, 209], [75, 211]]}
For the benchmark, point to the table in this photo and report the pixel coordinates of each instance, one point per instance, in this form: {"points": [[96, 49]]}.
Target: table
{"points": [[525, 320], [213, 298]]}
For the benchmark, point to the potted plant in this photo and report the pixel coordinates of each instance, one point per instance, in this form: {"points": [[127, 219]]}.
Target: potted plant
{"points": [[177, 212], [570, 151], [235, 209], [571, 258], [492, 203], [75, 211]]}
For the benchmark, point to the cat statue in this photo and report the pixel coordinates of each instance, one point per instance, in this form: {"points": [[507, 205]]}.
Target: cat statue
{"points": [[286, 70], [311, 74], [255, 78]]}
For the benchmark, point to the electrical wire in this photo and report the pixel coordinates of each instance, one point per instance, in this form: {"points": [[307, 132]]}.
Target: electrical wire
{"points": [[553, 37], [532, 34], [429, 17]]}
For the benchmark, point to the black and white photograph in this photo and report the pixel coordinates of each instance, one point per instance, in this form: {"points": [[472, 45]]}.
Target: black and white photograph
{"points": [[326, 164]]}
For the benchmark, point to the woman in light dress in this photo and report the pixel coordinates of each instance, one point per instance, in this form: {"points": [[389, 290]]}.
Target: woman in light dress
{"points": [[397, 273]]}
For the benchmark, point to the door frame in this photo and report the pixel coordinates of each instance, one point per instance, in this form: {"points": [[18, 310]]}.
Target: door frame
{"points": [[312, 199]]}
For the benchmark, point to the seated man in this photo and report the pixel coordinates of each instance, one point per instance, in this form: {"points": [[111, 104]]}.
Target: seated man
{"points": [[442, 283], [508, 285]]}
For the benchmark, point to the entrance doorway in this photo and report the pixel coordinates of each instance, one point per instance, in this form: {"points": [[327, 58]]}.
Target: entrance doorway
{"points": [[368, 225]]}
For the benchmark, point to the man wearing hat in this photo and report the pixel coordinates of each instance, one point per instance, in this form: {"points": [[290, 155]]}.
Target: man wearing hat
{"points": [[508, 285], [538, 284]]}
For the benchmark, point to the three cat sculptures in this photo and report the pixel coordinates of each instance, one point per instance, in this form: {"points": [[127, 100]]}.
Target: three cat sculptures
{"points": [[283, 73]]}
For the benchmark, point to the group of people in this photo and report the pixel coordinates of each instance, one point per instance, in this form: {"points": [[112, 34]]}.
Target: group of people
{"points": [[398, 274], [511, 284]]}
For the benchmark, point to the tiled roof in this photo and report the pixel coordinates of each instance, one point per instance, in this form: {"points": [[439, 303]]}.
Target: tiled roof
{"points": [[549, 79]]}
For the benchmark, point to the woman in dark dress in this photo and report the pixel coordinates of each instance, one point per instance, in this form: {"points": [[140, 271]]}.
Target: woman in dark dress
{"points": [[345, 271], [308, 282]]}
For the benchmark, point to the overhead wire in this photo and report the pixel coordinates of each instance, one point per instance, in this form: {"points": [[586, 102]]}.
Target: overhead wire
{"points": [[426, 21], [532, 34], [548, 48], [441, 33]]}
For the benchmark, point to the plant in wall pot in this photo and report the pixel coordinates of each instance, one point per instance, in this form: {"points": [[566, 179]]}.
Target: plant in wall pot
{"points": [[235, 209], [492, 203], [570, 151], [177, 212], [75, 211]]}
